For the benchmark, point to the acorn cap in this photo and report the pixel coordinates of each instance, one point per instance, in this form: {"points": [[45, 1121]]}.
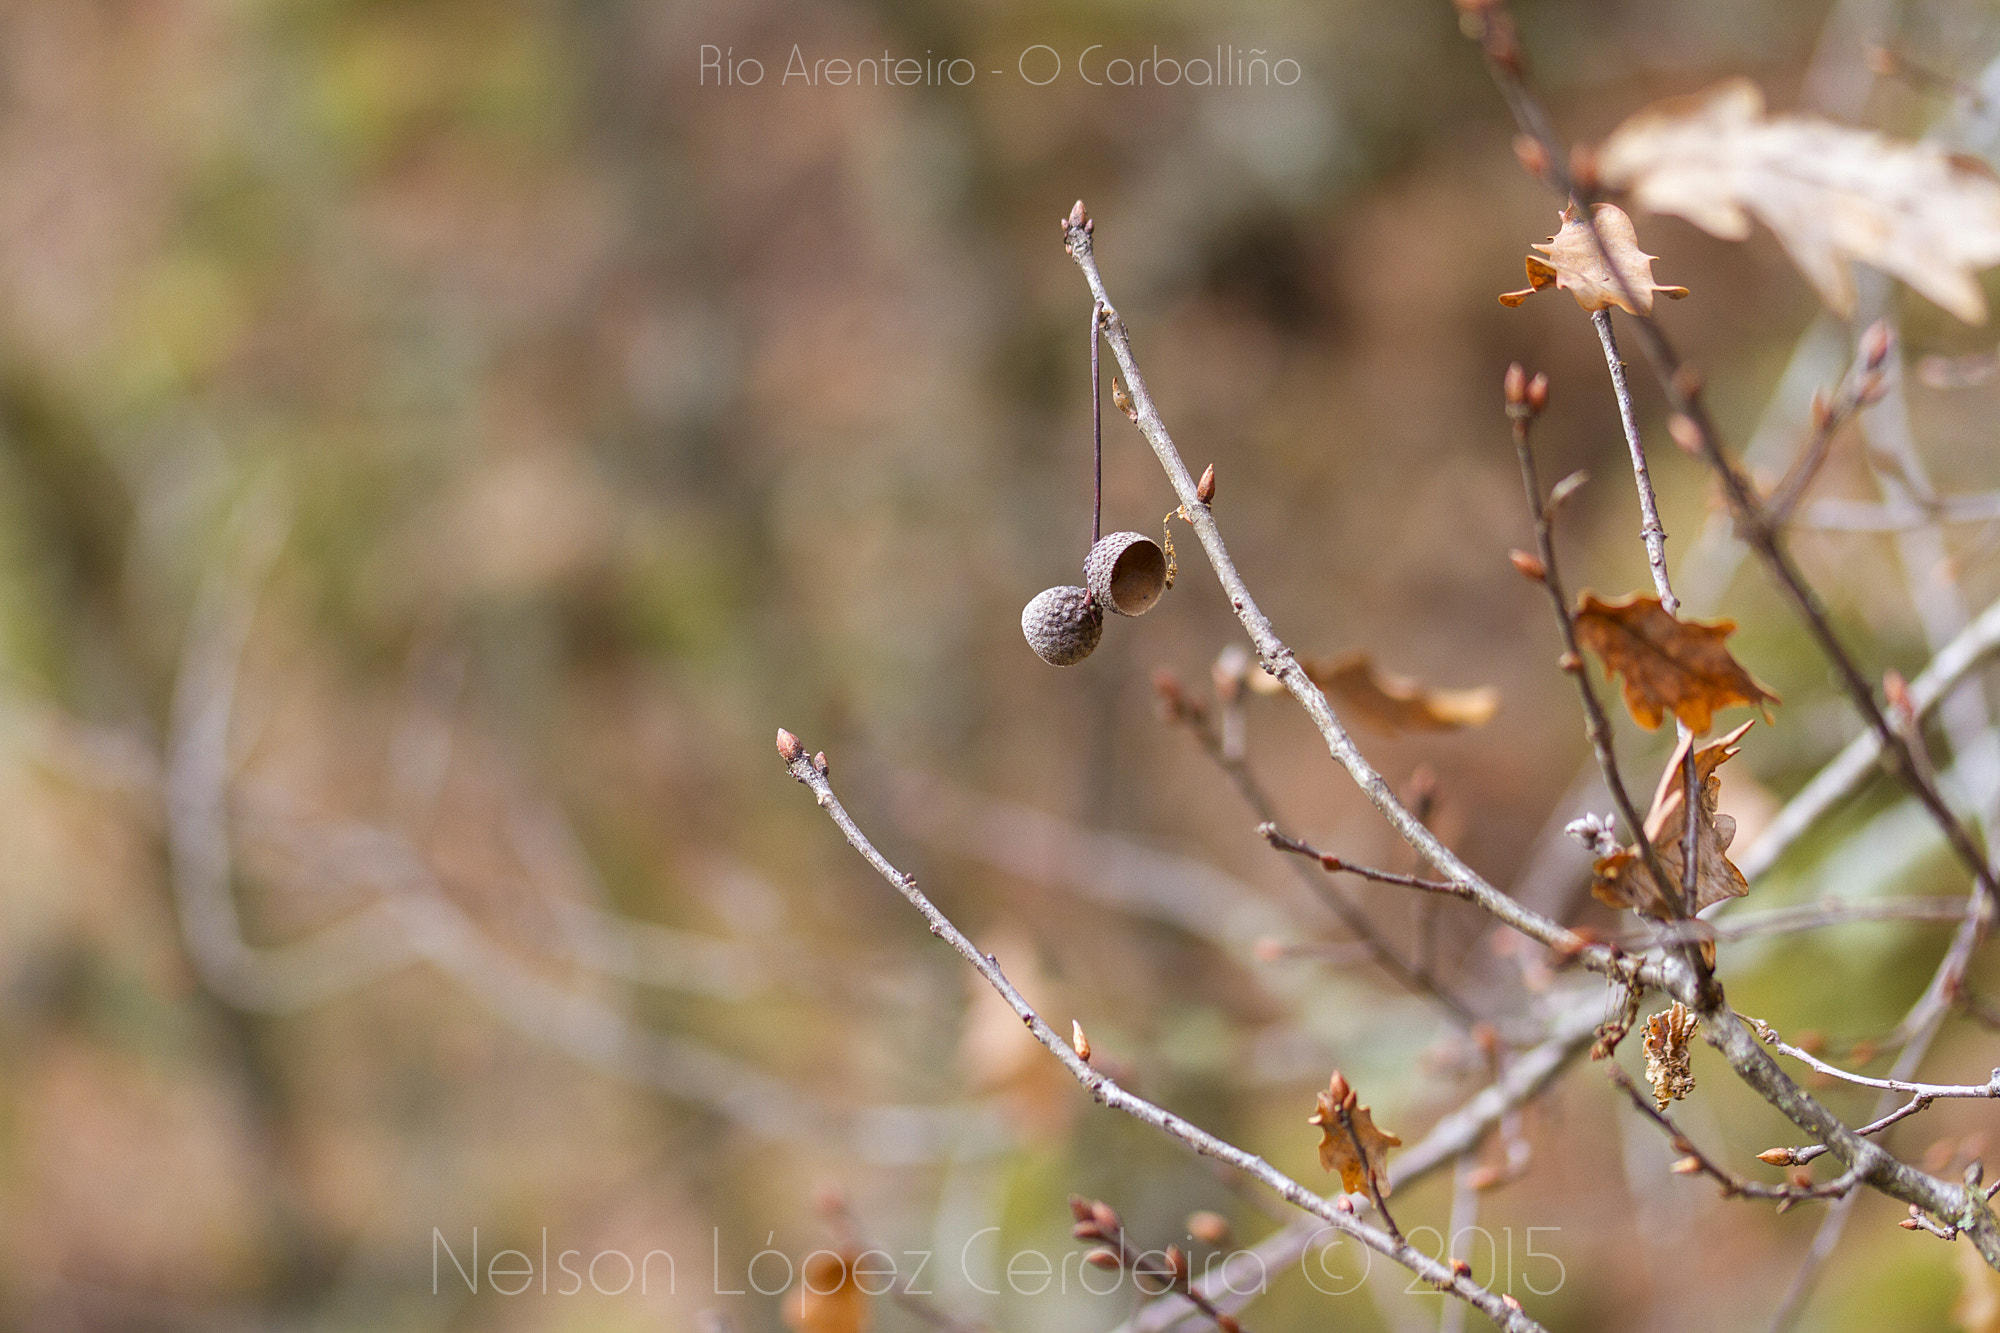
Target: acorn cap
{"points": [[1063, 625], [1127, 571]]}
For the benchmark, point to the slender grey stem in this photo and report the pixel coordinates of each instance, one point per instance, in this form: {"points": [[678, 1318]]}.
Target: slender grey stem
{"points": [[1280, 661], [1096, 431], [1650, 529], [1108, 1093]]}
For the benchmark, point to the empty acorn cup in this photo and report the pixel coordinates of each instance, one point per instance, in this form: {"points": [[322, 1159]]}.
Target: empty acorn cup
{"points": [[1063, 625], [1127, 571]]}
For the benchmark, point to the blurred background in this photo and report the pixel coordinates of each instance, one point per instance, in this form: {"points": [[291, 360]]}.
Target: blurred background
{"points": [[441, 442]]}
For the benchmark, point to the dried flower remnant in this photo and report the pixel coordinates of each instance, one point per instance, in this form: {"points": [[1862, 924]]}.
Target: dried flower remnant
{"points": [[1669, 1063], [1577, 264]]}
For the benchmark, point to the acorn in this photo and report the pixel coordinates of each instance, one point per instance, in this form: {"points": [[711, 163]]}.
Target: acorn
{"points": [[1063, 625], [1126, 571]]}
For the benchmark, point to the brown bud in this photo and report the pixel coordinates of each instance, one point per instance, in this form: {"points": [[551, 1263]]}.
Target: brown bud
{"points": [[1776, 1156], [1532, 155], [1538, 393], [1078, 216], [1687, 1166], [1337, 1089], [1583, 168], [1682, 430], [1801, 1177], [1529, 564], [1514, 385], [1910, 1224], [1123, 400], [1484, 1177], [1686, 380], [1876, 343], [1509, 1301], [1177, 1263], [1100, 1258], [1079, 1207], [1080, 1041], [1343, 1204], [1570, 662], [1208, 1228], [1874, 387], [1106, 1218], [1204, 490], [789, 747], [819, 762], [1460, 1268]]}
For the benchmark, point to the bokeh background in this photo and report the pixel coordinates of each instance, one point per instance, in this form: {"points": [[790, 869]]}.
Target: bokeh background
{"points": [[441, 442]]}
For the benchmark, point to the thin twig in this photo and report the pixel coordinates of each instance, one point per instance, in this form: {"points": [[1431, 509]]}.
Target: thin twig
{"points": [[1694, 1159], [1650, 529], [1333, 865], [1990, 1088], [1189, 713], [1108, 1093], [1807, 1153], [1282, 662]]}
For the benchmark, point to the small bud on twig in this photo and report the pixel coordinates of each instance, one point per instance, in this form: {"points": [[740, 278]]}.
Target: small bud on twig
{"points": [[819, 762], [1583, 169], [1123, 401], [1080, 1041], [1533, 157], [789, 748], [1682, 430], [1208, 1228], [1876, 343], [1776, 1156], [1204, 490], [1102, 1259], [1514, 385], [1687, 1166], [1538, 393], [1529, 564]]}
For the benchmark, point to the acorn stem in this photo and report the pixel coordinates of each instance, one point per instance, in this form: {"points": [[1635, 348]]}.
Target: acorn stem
{"points": [[1096, 431]]}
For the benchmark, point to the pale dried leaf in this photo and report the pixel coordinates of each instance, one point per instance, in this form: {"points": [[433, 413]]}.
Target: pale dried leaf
{"points": [[1576, 262], [1831, 193], [1393, 703], [1623, 878]]}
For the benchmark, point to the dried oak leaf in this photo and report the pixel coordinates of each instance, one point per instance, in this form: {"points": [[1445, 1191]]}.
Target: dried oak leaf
{"points": [[1577, 265], [1831, 193], [828, 1299], [1623, 879], [1669, 1064], [1669, 665], [1336, 1146], [1390, 703]]}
